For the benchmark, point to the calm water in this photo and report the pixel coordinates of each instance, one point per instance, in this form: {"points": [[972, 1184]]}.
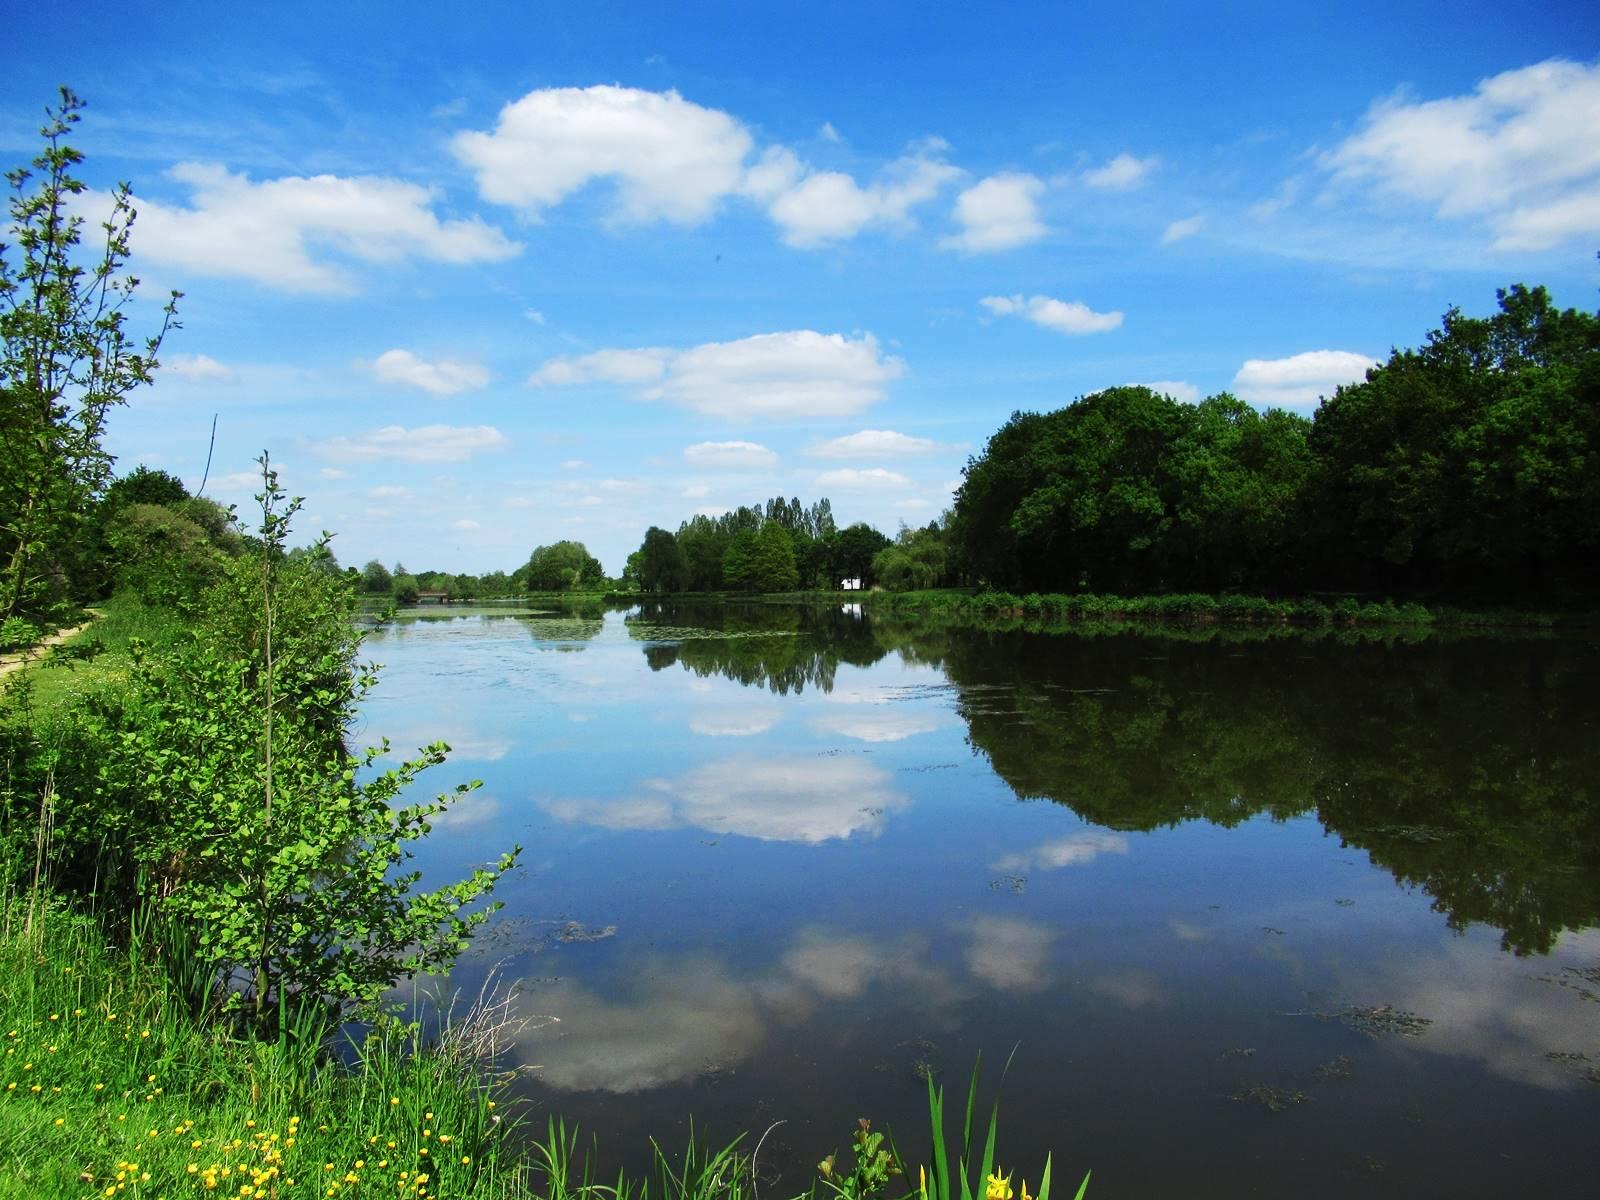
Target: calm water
{"points": [[1279, 916]]}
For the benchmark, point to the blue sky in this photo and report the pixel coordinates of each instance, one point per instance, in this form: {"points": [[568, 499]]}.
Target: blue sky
{"points": [[485, 277]]}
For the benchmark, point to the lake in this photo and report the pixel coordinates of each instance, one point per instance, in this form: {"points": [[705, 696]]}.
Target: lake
{"points": [[1260, 913]]}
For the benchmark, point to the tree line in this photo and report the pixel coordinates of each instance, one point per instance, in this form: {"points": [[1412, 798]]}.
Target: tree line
{"points": [[1467, 467]]}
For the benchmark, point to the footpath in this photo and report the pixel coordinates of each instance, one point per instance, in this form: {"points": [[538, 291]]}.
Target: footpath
{"points": [[16, 661]]}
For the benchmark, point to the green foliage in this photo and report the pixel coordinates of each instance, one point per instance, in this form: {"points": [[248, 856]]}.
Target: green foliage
{"points": [[661, 566], [376, 580], [16, 633], [162, 555], [947, 1180], [1467, 465], [143, 485], [874, 1166], [563, 567], [241, 807], [65, 361]]}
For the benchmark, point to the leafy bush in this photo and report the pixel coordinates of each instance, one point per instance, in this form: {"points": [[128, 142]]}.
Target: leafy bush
{"points": [[16, 633]]}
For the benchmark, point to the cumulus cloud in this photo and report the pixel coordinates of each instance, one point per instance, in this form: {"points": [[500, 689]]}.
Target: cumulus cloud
{"points": [[671, 159], [1518, 152], [813, 208], [805, 800], [1008, 953], [740, 722], [871, 443], [778, 376], [868, 479], [730, 455], [1077, 850], [1063, 316], [199, 368], [1180, 390], [426, 443], [442, 378], [604, 366], [1300, 380], [868, 724], [998, 213], [1121, 173], [281, 232], [1178, 230], [466, 523]]}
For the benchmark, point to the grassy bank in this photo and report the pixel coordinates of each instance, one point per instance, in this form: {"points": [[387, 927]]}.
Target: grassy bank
{"points": [[111, 1086]]}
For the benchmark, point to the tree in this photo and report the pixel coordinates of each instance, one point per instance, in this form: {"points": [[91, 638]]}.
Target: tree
{"points": [[376, 580], [661, 566], [143, 486], [562, 567], [1470, 462], [249, 821], [853, 551], [65, 361]]}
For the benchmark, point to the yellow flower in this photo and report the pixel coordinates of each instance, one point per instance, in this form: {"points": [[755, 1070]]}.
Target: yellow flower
{"points": [[999, 1187]]}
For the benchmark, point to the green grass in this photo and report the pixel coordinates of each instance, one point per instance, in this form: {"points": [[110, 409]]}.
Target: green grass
{"points": [[98, 658], [109, 1086]]}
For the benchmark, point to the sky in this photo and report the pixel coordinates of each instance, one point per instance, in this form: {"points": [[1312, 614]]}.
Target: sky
{"points": [[486, 277]]}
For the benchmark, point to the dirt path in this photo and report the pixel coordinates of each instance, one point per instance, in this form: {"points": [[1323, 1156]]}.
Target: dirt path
{"points": [[16, 661]]}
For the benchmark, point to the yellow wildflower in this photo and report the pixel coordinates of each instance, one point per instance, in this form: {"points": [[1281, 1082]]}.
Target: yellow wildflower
{"points": [[999, 1187]]}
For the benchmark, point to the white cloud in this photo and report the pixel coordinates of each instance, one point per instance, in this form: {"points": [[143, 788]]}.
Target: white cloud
{"points": [[806, 800], [1009, 953], [998, 213], [1077, 850], [1299, 380], [279, 232], [426, 443], [1180, 390], [387, 491], [730, 455], [332, 473], [1519, 152], [672, 160], [828, 133], [603, 366], [712, 510], [865, 480], [742, 722], [534, 315], [868, 723], [442, 378], [200, 368], [1063, 316], [779, 376], [574, 464], [1178, 230], [1122, 173], [466, 523], [695, 491], [813, 208], [871, 443]]}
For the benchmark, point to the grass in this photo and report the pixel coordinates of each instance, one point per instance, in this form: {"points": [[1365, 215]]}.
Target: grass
{"points": [[110, 1086], [99, 657]]}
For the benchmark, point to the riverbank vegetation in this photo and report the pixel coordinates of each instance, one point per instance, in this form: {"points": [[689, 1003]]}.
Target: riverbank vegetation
{"points": [[208, 904]]}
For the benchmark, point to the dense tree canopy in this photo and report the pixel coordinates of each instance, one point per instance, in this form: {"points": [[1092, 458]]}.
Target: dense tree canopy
{"points": [[1468, 467]]}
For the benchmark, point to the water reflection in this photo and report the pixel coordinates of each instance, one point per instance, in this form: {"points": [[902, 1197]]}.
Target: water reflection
{"points": [[1467, 768], [808, 800], [827, 854]]}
